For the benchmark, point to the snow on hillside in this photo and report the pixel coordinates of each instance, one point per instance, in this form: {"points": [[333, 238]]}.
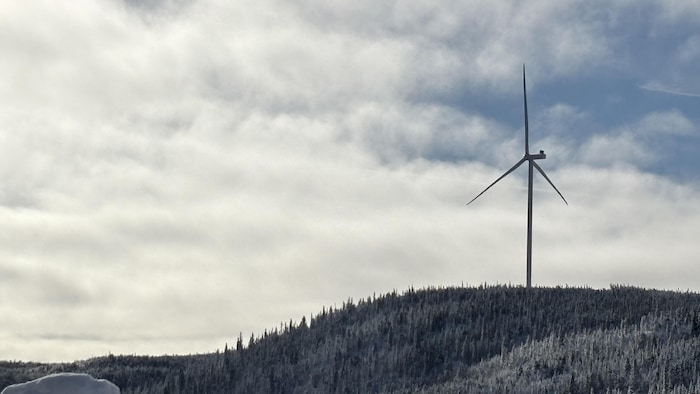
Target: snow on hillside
{"points": [[64, 383]]}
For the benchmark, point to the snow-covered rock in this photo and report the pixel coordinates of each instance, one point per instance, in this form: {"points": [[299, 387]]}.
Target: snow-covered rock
{"points": [[64, 383]]}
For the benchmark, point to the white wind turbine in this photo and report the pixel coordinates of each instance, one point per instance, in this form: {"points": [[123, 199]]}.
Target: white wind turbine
{"points": [[530, 158]]}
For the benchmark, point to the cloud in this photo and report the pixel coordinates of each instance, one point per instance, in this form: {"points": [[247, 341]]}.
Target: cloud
{"points": [[625, 147], [668, 122], [641, 143], [626, 213], [677, 11], [656, 86]]}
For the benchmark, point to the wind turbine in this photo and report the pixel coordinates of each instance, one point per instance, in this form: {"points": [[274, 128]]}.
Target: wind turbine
{"points": [[530, 158]]}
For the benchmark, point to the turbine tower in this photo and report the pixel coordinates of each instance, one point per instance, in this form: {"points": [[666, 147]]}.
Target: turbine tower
{"points": [[530, 158]]}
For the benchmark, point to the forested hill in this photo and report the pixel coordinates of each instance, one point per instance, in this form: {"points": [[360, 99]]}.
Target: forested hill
{"points": [[451, 340]]}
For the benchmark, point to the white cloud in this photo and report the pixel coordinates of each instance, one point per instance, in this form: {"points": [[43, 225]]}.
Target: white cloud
{"points": [[559, 118], [667, 122], [636, 144], [661, 87], [623, 148], [629, 227]]}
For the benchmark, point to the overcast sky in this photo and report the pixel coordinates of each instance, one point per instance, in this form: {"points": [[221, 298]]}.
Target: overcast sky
{"points": [[174, 172]]}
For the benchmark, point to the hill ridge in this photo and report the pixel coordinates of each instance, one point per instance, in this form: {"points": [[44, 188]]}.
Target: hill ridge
{"points": [[438, 340]]}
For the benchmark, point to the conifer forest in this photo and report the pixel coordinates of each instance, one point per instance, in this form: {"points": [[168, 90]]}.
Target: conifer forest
{"points": [[497, 339]]}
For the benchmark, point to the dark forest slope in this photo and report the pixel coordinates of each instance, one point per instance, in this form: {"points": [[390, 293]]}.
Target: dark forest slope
{"points": [[441, 340]]}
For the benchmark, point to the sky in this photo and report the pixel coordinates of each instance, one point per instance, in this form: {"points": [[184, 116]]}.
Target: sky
{"points": [[176, 173]]}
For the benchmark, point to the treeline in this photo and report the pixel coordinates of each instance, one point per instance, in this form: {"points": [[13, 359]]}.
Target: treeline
{"points": [[452, 340]]}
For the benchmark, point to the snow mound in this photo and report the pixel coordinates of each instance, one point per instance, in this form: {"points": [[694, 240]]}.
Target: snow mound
{"points": [[64, 383]]}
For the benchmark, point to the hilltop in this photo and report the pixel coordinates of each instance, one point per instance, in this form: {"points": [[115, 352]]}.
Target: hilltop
{"points": [[447, 340]]}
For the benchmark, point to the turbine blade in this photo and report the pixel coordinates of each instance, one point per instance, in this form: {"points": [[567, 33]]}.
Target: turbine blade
{"points": [[548, 180], [499, 178], [527, 128]]}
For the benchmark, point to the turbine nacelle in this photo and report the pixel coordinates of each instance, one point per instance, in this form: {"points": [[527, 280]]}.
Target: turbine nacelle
{"points": [[536, 156]]}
